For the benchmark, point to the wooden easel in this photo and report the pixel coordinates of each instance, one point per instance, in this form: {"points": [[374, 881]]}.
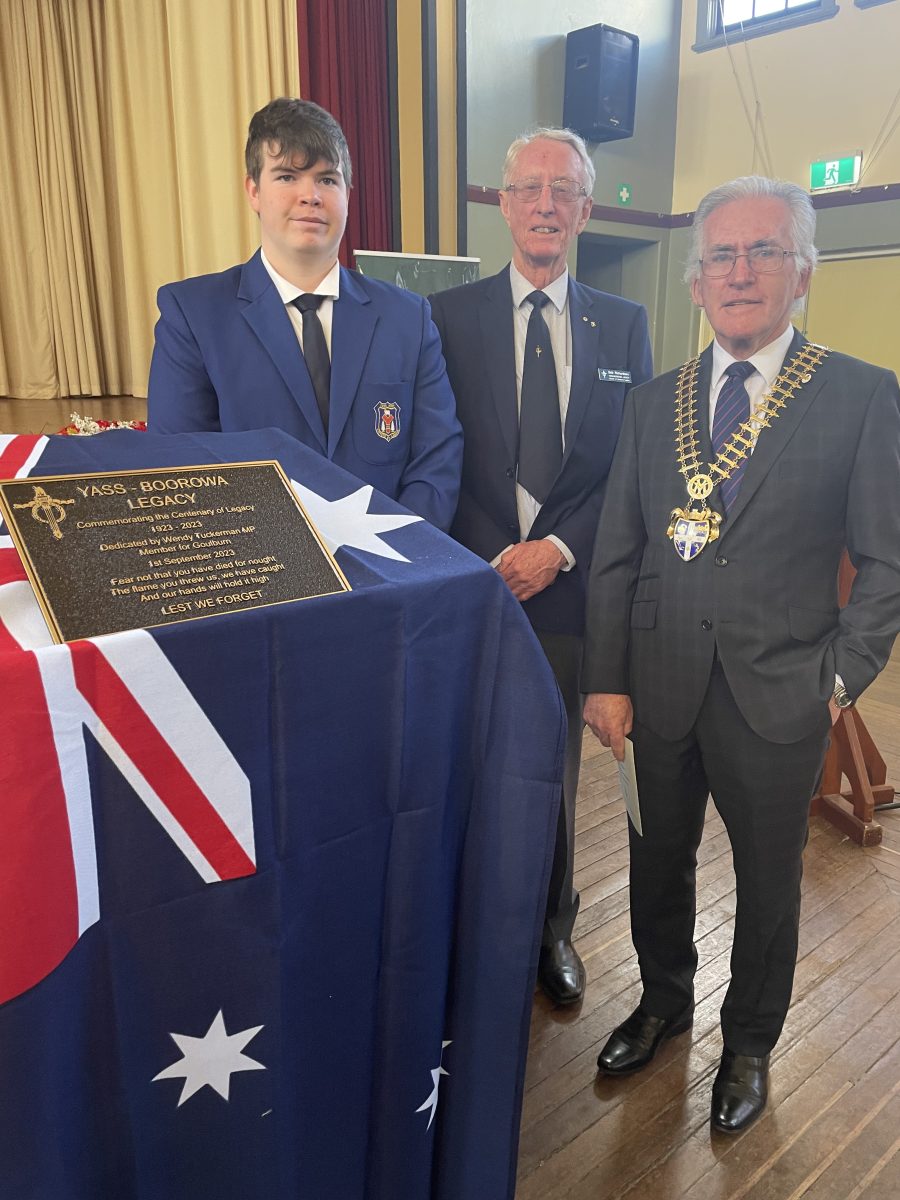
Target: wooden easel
{"points": [[852, 755]]}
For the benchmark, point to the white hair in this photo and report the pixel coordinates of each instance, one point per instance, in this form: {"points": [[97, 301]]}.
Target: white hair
{"points": [[802, 217], [542, 133]]}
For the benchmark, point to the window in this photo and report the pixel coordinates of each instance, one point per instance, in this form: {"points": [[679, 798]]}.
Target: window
{"points": [[721, 21], [734, 14]]}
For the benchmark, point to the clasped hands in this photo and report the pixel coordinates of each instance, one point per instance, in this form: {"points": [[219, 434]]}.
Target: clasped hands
{"points": [[529, 567]]}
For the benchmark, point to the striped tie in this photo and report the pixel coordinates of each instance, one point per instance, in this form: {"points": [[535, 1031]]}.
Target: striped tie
{"points": [[732, 409]]}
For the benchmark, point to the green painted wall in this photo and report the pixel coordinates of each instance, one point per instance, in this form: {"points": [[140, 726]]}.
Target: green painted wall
{"points": [[515, 80], [515, 64]]}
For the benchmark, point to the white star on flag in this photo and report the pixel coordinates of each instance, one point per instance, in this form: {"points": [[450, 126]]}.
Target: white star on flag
{"points": [[432, 1100], [210, 1061], [348, 522]]}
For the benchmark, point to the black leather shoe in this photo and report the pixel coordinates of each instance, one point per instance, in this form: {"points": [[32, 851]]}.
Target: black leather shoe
{"points": [[633, 1044], [740, 1091], [561, 972]]}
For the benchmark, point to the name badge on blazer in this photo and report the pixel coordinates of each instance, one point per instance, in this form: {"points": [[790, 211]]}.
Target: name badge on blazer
{"points": [[613, 376]]}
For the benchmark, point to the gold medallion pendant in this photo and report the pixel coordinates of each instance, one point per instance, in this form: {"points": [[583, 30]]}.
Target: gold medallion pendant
{"points": [[691, 529]]}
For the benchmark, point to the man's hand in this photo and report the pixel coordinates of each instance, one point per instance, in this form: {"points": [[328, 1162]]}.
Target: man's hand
{"points": [[529, 567], [610, 717]]}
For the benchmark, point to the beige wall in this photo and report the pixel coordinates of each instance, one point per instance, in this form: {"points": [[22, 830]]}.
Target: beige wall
{"points": [[411, 124], [853, 305], [410, 132], [824, 89]]}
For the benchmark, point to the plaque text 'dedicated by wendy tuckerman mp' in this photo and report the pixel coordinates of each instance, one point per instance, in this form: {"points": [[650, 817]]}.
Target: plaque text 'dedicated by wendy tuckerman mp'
{"points": [[133, 549]]}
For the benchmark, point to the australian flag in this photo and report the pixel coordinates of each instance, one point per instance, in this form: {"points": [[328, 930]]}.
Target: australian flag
{"points": [[271, 883]]}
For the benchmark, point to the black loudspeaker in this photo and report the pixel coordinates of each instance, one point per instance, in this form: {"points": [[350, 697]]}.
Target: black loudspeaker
{"points": [[601, 82]]}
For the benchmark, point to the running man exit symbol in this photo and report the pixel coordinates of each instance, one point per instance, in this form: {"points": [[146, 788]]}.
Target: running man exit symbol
{"points": [[835, 172]]}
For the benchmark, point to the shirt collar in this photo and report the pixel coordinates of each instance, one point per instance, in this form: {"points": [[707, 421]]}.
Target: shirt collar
{"points": [[767, 361], [558, 290], [329, 286]]}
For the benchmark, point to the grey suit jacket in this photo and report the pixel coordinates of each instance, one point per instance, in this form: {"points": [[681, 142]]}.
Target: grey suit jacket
{"points": [[824, 475]]}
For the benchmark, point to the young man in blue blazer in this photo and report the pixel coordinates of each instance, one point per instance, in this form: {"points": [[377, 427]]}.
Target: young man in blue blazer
{"points": [[349, 366]]}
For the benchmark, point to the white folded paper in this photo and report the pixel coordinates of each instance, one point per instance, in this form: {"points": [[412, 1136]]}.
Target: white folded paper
{"points": [[628, 783]]}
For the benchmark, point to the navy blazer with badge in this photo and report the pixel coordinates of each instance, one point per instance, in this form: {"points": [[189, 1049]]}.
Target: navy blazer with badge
{"points": [[610, 342], [226, 358]]}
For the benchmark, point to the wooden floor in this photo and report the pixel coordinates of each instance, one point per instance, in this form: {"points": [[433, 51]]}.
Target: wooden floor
{"points": [[832, 1127], [49, 416]]}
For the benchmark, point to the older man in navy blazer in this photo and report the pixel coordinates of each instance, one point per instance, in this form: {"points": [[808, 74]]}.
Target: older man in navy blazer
{"points": [[540, 366], [349, 366]]}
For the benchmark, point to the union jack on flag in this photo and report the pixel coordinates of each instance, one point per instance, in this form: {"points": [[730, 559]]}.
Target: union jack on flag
{"points": [[124, 690], [405, 787]]}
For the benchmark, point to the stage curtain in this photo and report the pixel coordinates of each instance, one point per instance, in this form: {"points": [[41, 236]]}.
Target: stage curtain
{"points": [[122, 127], [344, 67]]}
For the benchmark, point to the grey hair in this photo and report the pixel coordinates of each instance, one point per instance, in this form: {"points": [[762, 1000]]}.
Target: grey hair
{"points": [[550, 134], [802, 218]]}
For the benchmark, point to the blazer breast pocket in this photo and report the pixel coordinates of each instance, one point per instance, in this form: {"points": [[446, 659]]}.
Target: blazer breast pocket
{"points": [[382, 420]]}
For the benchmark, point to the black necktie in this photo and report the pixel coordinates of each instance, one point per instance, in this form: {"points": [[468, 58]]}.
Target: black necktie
{"points": [[315, 351], [732, 409], [540, 430]]}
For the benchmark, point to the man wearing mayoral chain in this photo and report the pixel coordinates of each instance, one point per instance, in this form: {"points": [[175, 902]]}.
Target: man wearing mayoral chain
{"points": [[714, 636], [540, 366]]}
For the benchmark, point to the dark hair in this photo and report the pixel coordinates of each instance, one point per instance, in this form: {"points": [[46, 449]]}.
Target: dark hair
{"points": [[291, 129]]}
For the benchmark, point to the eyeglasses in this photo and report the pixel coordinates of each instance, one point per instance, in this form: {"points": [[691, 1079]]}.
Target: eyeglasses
{"points": [[564, 191], [763, 260]]}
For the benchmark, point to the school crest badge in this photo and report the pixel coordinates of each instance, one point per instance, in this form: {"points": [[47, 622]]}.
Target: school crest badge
{"points": [[387, 420]]}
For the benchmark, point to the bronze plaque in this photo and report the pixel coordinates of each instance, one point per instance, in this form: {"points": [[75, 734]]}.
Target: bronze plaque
{"points": [[133, 549]]}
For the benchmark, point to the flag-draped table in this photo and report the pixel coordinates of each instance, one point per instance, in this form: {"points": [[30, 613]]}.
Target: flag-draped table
{"points": [[271, 883]]}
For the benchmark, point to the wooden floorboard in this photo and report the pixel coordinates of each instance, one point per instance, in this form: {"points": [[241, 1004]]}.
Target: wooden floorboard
{"points": [[49, 416], [832, 1127]]}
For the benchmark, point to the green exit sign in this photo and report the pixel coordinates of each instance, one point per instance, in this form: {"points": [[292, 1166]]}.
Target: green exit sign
{"points": [[835, 173]]}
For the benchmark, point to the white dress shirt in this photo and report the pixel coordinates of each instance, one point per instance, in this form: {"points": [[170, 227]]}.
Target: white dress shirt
{"points": [[329, 288], [556, 318], [768, 363]]}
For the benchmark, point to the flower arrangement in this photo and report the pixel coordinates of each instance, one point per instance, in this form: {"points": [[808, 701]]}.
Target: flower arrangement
{"points": [[87, 426]]}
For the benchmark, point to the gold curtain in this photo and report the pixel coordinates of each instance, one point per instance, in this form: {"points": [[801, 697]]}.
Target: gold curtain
{"points": [[122, 127]]}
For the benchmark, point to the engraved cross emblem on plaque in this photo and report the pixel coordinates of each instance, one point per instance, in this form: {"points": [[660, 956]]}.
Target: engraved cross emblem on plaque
{"points": [[47, 510]]}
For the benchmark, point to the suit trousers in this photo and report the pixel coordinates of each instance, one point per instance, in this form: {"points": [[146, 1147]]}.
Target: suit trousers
{"points": [[564, 655], [762, 791]]}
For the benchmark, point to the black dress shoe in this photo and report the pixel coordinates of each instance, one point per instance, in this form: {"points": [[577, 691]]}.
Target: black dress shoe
{"points": [[561, 972], [740, 1091], [633, 1044]]}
